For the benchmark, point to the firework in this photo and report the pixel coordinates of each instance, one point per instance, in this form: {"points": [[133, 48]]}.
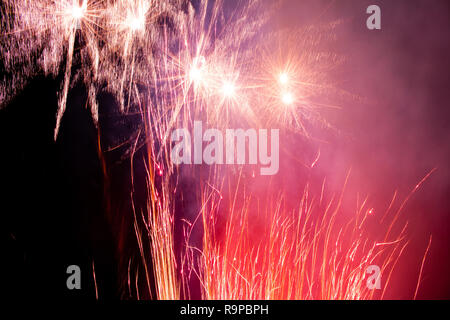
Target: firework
{"points": [[175, 63], [41, 36], [309, 253], [123, 45]]}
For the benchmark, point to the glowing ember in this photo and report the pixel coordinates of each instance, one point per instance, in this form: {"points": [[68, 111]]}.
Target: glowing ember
{"points": [[283, 79], [287, 98], [228, 89]]}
